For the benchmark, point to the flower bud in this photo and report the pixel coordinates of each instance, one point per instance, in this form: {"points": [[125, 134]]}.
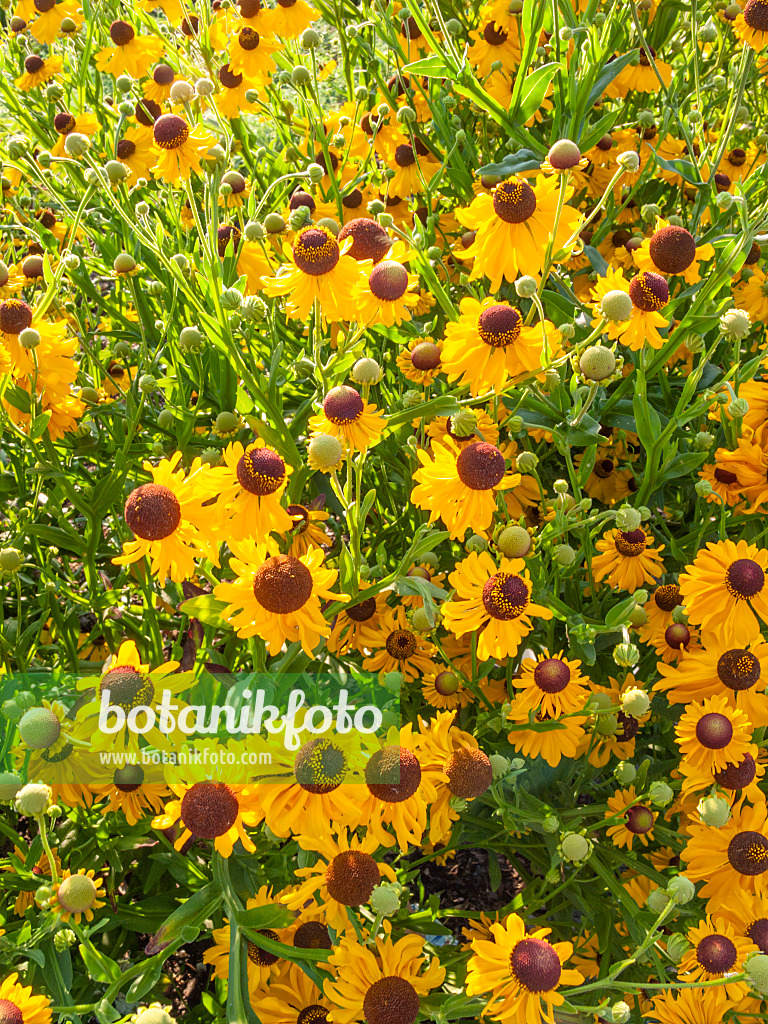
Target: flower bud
{"points": [[575, 848], [33, 799], [366, 371], [406, 115], [526, 287], [204, 87], [550, 824], [657, 900], [628, 161], [476, 543], [182, 91], [735, 324], [324, 451], [500, 766], [386, 220], [628, 519], [76, 144], [463, 423], [681, 889], [625, 773], [756, 969], [564, 154], [309, 39], [385, 899], [564, 555], [39, 728], [724, 200], [527, 462], [191, 339], [29, 338], [616, 305], [738, 407], [514, 542], [620, 1013], [714, 811], [677, 947], [635, 702], [231, 299], [660, 793], [65, 938], [703, 488], [274, 223]]}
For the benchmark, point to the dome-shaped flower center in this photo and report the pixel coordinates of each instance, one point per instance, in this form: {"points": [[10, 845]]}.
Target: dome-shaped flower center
{"points": [[163, 75], [480, 466], [425, 356], [737, 776], [363, 611], [535, 965], [352, 200], [312, 935], [499, 326], [301, 198], [320, 766], [757, 932], [228, 79], [343, 405], [673, 249], [391, 1000], [552, 675], [401, 644], [125, 149], [388, 280], [121, 33], [261, 957], [604, 468], [754, 254], [505, 596], [248, 39], [43, 6], [393, 774], [225, 234], [667, 597], [714, 731], [404, 155], [716, 954], [170, 131], [645, 56], [744, 579], [15, 316], [748, 853], [314, 1014], [446, 683], [493, 35], [76, 894], [738, 669], [469, 772], [351, 877], [756, 15], [722, 182], [10, 1013], [316, 251], [514, 201], [129, 778], [32, 267], [128, 688], [209, 809], [260, 471], [64, 123], [147, 112], [369, 239], [630, 543], [628, 727], [725, 476], [33, 64], [639, 819], [677, 635], [300, 517], [282, 585], [649, 292], [152, 512]]}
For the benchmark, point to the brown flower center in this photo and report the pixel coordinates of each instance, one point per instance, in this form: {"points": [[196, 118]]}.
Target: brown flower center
{"points": [[469, 772], [260, 471], [649, 292], [673, 249], [401, 644], [170, 131], [64, 123], [282, 585], [737, 776], [425, 356], [127, 688], [316, 251], [494, 36], [630, 543], [667, 597], [535, 965], [152, 512], [391, 1000], [514, 201], [248, 39], [351, 877], [725, 476], [10, 1013], [499, 326], [32, 267], [757, 932], [225, 234], [480, 466], [714, 731], [314, 1014], [33, 64], [677, 635], [716, 954], [756, 15], [125, 149], [147, 112], [754, 254], [638, 819], [744, 579], [505, 596], [15, 316], [121, 33], [320, 766], [604, 468], [369, 240], [228, 79], [163, 75], [738, 669], [552, 675], [209, 809], [628, 727], [343, 405], [393, 774], [363, 611], [352, 200], [260, 956], [312, 935], [748, 853], [388, 280]]}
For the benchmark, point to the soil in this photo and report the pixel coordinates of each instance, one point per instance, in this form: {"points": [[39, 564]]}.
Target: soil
{"points": [[188, 978]]}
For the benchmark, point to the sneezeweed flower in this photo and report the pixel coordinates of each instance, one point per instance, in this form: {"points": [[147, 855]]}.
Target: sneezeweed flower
{"points": [[442, 688], [131, 794], [231, 101], [262, 966], [627, 559], [345, 415], [158, 86], [352, 622], [414, 166], [65, 123], [730, 858], [323, 273], [250, 54], [38, 71], [138, 152], [181, 148], [712, 735], [77, 896], [44, 17], [290, 17], [672, 251], [210, 810], [649, 293], [292, 995], [717, 951], [489, 344], [395, 647], [724, 589], [307, 530], [514, 227], [494, 43], [551, 739], [751, 26], [129, 54], [421, 360], [169, 520], [20, 1005], [553, 685], [674, 642], [459, 485], [250, 486], [381, 983], [496, 600], [383, 295], [521, 971], [637, 820], [278, 597], [689, 1005]]}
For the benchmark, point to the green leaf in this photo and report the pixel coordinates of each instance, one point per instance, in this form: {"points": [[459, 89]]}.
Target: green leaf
{"points": [[610, 71], [684, 168], [444, 405], [39, 424], [494, 870], [429, 67], [535, 89], [620, 612], [596, 260], [273, 915], [513, 163], [207, 609], [18, 398], [99, 966], [597, 131], [145, 981]]}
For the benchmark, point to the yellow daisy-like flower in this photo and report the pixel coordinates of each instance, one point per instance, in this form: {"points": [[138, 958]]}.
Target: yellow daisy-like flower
{"points": [[290, 18], [521, 970], [730, 858], [735, 781], [181, 148], [628, 559], [384, 293], [346, 416], [65, 123], [44, 17], [460, 486], [513, 228], [489, 344], [130, 54], [351, 623], [24, 1007], [494, 43], [344, 876], [442, 688], [38, 71], [250, 485], [211, 810], [550, 684], [77, 896], [672, 251], [607, 482], [132, 795], [421, 360], [292, 995], [658, 609], [752, 296], [751, 26], [551, 739], [689, 1006], [717, 951], [169, 521], [713, 735], [307, 530], [724, 590], [638, 820], [263, 967], [323, 272], [138, 152], [16, 315], [250, 54], [380, 983], [748, 914], [278, 597], [231, 101], [494, 600], [649, 293], [395, 647]]}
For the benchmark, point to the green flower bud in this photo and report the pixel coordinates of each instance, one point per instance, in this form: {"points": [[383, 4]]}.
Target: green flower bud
{"points": [[567, 330], [76, 144], [527, 462], [660, 793], [714, 811], [76, 894], [147, 384], [463, 423], [123, 83], [315, 173], [756, 969], [124, 263], [191, 339], [376, 207], [328, 222], [476, 543], [564, 154], [526, 287], [625, 773], [677, 947], [39, 728], [393, 681], [657, 901], [325, 451], [386, 220], [608, 725], [514, 542], [227, 422], [575, 848], [616, 305], [550, 824], [598, 363], [385, 899], [366, 371], [500, 766], [620, 1013], [564, 555], [738, 407], [406, 115], [231, 299], [309, 39], [253, 231], [33, 799], [274, 223], [29, 338], [635, 702], [628, 161], [650, 211], [626, 655], [65, 938], [681, 889], [735, 324]]}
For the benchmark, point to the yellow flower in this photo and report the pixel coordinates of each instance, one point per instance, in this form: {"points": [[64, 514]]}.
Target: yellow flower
{"points": [[346, 416], [250, 54], [211, 810], [717, 952], [751, 26], [23, 1005], [713, 735], [38, 71], [181, 148], [131, 54], [672, 250], [627, 559], [729, 858], [77, 896], [724, 589], [649, 293], [395, 647], [383, 293], [638, 820]]}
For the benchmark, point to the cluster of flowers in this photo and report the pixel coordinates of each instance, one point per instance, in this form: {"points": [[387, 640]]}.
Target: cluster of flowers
{"points": [[428, 345]]}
